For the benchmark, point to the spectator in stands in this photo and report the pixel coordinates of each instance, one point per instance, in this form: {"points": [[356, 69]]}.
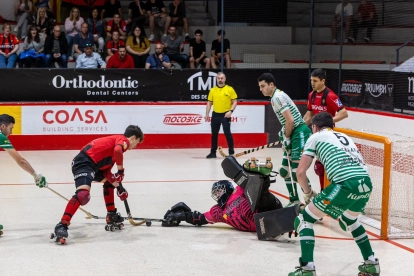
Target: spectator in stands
{"points": [[81, 39], [73, 26], [116, 24], [198, 51], [23, 13], [347, 16], [45, 4], [216, 51], [42, 22], [96, 28], [173, 45], [89, 59], [9, 45], [179, 17], [366, 18], [157, 12], [121, 59], [113, 45], [136, 16], [158, 60], [33, 50], [111, 8], [138, 47], [56, 48]]}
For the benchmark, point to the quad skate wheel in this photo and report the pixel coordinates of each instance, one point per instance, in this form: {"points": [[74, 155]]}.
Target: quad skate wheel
{"points": [[62, 240], [253, 159], [148, 223], [52, 235], [269, 165], [112, 228], [1, 233], [107, 227], [252, 166]]}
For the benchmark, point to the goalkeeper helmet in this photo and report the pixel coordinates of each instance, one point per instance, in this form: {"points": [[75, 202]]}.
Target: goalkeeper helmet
{"points": [[221, 191]]}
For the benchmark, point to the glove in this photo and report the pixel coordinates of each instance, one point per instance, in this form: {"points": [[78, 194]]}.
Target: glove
{"points": [[40, 180], [286, 143], [121, 193], [307, 197], [281, 134], [119, 176]]}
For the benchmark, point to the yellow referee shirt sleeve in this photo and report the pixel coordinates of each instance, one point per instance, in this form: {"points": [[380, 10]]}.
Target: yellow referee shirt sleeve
{"points": [[232, 93], [210, 95]]}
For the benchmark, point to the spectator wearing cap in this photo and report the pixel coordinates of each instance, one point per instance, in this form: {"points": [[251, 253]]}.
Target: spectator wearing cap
{"points": [[89, 59], [216, 51]]}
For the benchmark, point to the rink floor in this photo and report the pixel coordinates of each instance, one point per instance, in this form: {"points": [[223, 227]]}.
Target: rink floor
{"points": [[156, 180]]}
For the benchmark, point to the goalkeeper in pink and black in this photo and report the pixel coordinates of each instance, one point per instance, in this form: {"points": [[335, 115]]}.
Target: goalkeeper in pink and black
{"points": [[232, 208]]}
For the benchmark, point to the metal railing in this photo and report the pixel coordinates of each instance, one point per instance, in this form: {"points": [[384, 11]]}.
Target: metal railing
{"points": [[398, 51]]}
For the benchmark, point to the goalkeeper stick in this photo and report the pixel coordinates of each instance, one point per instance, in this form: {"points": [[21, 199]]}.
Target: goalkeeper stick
{"points": [[89, 215], [220, 149]]}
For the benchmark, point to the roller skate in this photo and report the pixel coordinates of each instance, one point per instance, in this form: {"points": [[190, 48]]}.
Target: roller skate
{"points": [[369, 268], [61, 233], [303, 270], [254, 165], [114, 221], [1, 229]]}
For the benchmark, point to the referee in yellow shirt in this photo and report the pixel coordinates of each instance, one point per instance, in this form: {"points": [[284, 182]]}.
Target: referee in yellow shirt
{"points": [[223, 98]]}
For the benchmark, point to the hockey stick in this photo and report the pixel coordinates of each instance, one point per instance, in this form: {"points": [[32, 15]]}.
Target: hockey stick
{"points": [[220, 149], [145, 219], [89, 215], [290, 171], [130, 218]]}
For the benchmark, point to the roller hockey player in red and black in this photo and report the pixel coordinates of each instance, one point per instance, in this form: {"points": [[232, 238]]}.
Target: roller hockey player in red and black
{"points": [[323, 99], [232, 207], [94, 163]]}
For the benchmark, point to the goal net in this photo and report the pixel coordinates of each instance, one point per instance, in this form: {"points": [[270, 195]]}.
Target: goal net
{"points": [[390, 161]]}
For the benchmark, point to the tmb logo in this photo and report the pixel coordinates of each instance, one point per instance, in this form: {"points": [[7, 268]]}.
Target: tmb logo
{"points": [[410, 84], [202, 85], [182, 119], [351, 88]]}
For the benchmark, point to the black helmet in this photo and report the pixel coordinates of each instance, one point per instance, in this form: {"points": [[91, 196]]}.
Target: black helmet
{"points": [[221, 191]]}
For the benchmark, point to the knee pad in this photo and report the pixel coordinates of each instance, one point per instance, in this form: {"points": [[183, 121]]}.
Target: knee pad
{"points": [[83, 196], [348, 222], [305, 220], [319, 168], [283, 172]]}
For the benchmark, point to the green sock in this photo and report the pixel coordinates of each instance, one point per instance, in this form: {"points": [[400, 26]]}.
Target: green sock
{"points": [[307, 238], [361, 238], [290, 186]]}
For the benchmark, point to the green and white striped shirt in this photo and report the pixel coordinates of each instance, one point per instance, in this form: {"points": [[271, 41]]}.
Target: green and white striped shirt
{"points": [[282, 102], [5, 142], [338, 153]]}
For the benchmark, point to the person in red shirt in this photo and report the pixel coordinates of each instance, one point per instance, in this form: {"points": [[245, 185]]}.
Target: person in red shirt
{"points": [[323, 99], [94, 163], [9, 45], [366, 18], [117, 24], [121, 59], [113, 45]]}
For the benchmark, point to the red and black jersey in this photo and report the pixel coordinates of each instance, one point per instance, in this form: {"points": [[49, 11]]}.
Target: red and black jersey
{"points": [[8, 43], [113, 46], [102, 151], [324, 101]]}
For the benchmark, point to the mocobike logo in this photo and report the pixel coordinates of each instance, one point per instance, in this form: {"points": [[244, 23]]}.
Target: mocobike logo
{"points": [[182, 119], [60, 82], [351, 88], [377, 90], [203, 85], [63, 116]]}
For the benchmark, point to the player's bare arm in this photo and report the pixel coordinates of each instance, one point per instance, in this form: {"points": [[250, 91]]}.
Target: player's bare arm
{"points": [[304, 164], [290, 122], [308, 117], [340, 115], [233, 107], [208, 108], [23, 163]]}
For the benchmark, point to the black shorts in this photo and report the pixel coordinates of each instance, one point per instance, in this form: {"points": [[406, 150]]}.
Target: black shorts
{"points": [[83, 166]]}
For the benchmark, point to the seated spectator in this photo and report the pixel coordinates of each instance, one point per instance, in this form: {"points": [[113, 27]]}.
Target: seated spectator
{"points": [[118, 25], [158, 60], [111, 8], [138, 47], [113, 45], [367, 18], [33, 50], [157, 12], [136, 16], [198, 51], [72, 27], [23, 13], [173, 45], [42, 22], [9, 45], [96, 28], [121, 59], [348, 12], [56, 48], [45, 4], [81, 39], [179, 17], [89, 59], [216, 51]]}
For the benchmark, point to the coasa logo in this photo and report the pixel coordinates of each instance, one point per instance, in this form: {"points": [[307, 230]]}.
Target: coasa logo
{"points": [[201, 84], [64, 116], [351, 88], [182, 119]]}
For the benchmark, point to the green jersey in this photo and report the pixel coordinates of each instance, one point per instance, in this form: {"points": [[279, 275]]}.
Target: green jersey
{"points": [[5, 142], [282, 102], [338, 153]]}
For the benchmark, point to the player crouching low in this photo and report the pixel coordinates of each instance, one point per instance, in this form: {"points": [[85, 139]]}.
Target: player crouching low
{"points": [[344, 199], [94, 163]]}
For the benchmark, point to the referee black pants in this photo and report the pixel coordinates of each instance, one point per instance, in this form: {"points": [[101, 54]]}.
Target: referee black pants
{"points": [[218, 119]]}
